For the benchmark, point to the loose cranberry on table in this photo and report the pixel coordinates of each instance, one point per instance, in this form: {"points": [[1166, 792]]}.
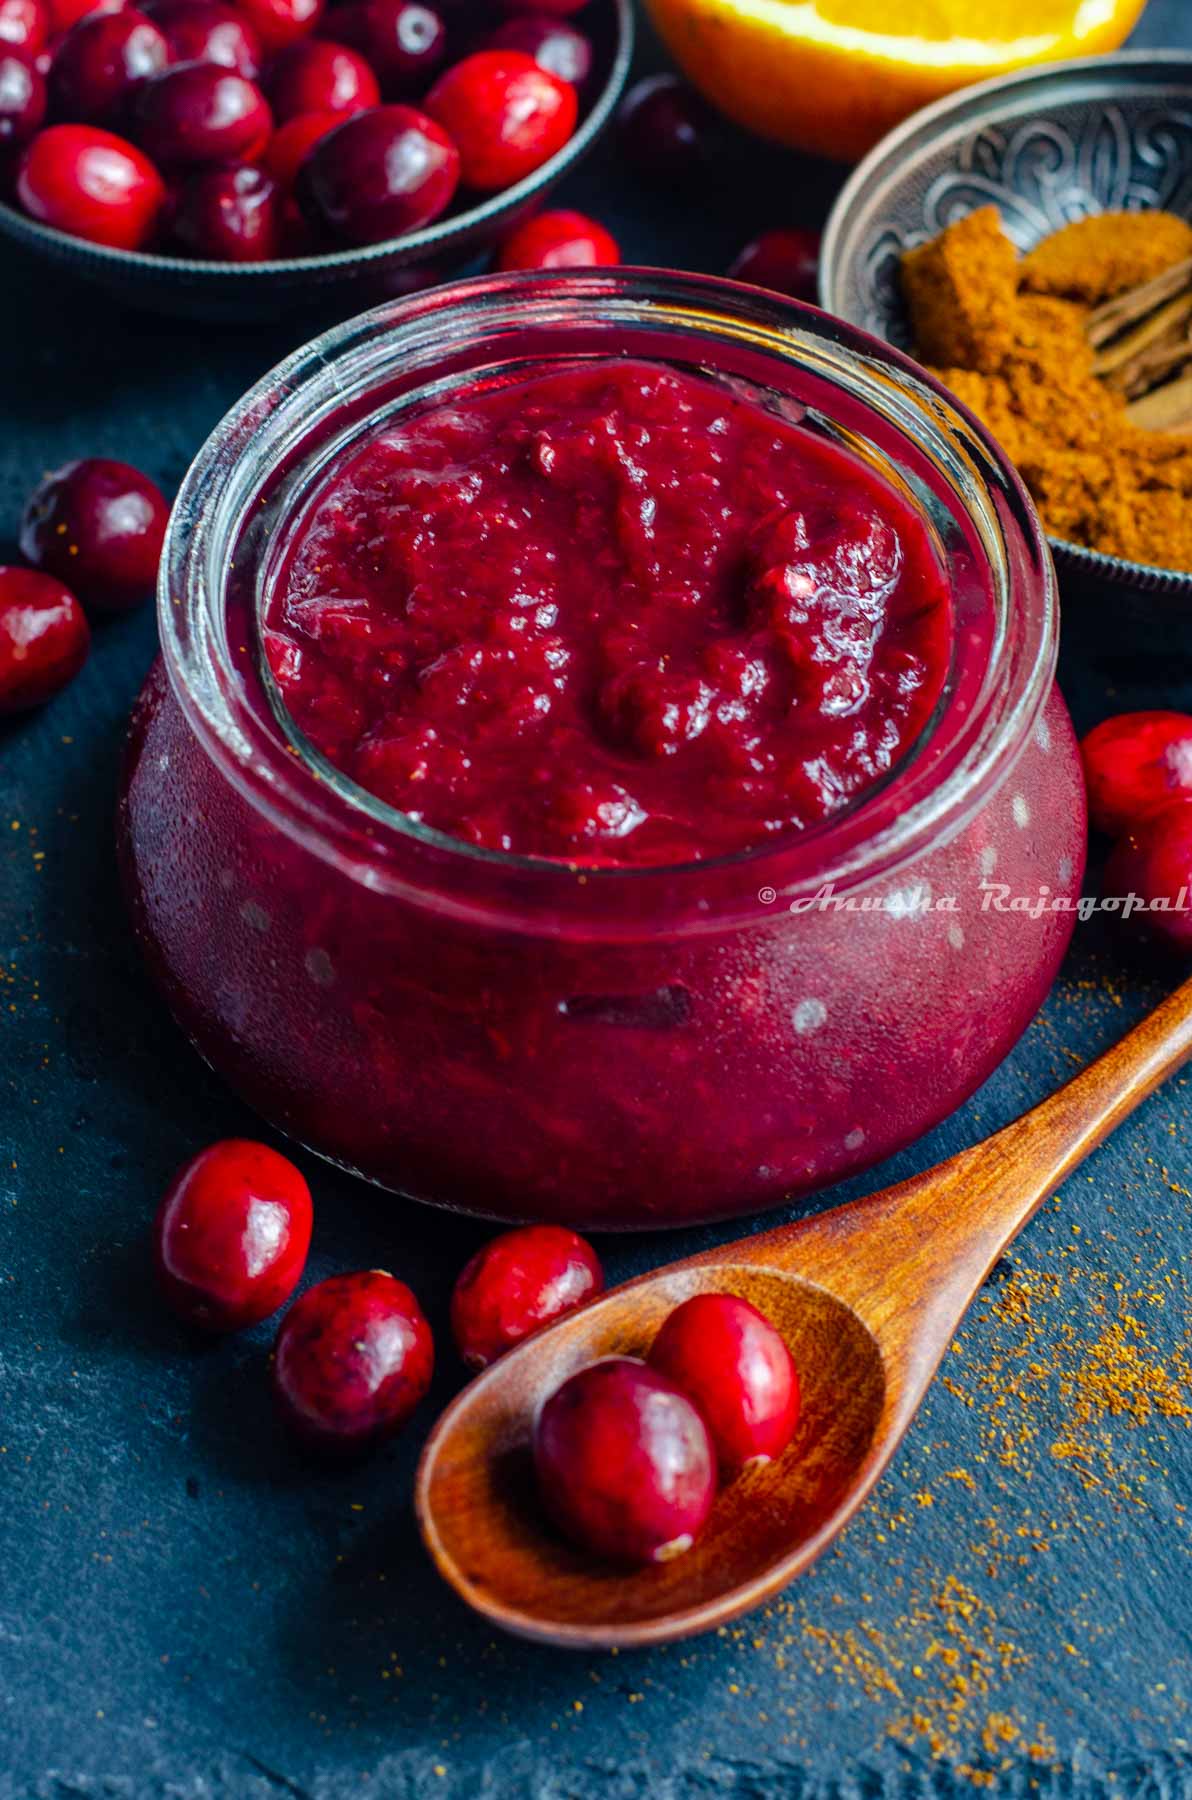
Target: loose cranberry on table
{"points": [[382, 173], [786, 261], [624, 1462], [559, 240], [208, 31], [197, 113], [734, 1365], [232, 1234], [292, 143], [663, 127], [1135, 763], [554, 45], [403, 42], [99, 63], [91, 184], [25, 24], [506, 114], [1154, 861], [518, 1283], [98, 525], [281, 22], [229, 215], [44, 638], [319, 76], [353, 1358], [22, 98]]}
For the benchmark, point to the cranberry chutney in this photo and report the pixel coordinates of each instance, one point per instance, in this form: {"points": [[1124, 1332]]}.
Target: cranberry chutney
{"points": [[741, 943], [613, 614]]}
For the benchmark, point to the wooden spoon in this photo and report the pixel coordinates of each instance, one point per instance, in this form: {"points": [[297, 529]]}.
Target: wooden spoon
{"points": [[868, 1297]]}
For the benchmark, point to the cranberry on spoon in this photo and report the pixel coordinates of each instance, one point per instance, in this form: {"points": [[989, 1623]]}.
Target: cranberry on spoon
{"points": [[624, 1463], [232, 1235], [98, 525], [91, 184], [353, 1358], [518, 1283], [44, 638], [382, 173], [506, 114], [734, 1365]]}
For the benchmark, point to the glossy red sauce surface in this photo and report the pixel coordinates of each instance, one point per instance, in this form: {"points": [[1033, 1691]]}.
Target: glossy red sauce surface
{"points": [[613, 614]]}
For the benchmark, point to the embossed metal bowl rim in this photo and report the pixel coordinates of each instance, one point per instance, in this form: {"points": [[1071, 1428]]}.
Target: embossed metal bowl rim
{"points": [[444, 235], [1125, 75]]}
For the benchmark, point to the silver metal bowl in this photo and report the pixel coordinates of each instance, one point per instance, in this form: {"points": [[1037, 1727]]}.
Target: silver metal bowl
{"points": [[1049, 145], [343, 281]]}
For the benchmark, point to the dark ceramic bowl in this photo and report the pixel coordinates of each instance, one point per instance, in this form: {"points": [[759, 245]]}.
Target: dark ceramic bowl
{"points": [[1047, 146], [345, 281]]}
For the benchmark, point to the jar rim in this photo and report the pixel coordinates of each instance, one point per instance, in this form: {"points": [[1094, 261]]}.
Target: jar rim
{"points": [[222, 494]]}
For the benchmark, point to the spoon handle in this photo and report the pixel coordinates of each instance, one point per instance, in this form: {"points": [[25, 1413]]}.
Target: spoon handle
{"points": [[912, 1256]]}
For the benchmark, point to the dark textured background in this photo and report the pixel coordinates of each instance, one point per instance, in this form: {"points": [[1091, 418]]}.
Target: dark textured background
{"points": [[185, 1611]]}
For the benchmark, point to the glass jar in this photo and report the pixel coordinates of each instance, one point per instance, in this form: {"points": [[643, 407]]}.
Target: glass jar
{"points": [[606, 1047]]}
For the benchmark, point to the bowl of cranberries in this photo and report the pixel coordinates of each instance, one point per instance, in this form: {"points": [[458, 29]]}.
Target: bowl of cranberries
{"points": [[223, 158]]}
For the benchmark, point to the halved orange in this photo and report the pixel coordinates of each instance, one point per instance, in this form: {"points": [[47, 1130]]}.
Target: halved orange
{"points": [[833, 76]]}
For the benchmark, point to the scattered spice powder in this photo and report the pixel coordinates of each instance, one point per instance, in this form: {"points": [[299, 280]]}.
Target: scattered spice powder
{"points": [[1008, 335]]}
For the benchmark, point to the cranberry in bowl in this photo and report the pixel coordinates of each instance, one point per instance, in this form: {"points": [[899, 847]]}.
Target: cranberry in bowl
{"points": [[683, 897]]}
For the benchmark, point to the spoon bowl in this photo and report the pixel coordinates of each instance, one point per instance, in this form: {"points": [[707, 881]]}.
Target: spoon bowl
{"points": [[867, 1296], [477, 1488]]}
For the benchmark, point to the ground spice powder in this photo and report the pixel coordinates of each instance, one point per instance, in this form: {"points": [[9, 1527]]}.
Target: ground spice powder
{"points": [[1007, 335]]}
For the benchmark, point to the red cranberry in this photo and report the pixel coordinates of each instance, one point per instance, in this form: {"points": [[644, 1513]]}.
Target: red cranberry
{"points": [[231, 1235], [403, 41], [99, 525], [22, 98], [732, 1363], [382, 173], [559, 240], [506, 114], [65, 13], [553, 44], [100, 61], [785, 261], [281, 22], [561, 9], [521, 1281], [92, 184], [318, 76], [230, 215], [292, 143], [1134, 764], [44, 638], [353, 1358], [25, 24], [1154, 862], [625, 1465], [664, 126], [207, 31], [200, 113]]}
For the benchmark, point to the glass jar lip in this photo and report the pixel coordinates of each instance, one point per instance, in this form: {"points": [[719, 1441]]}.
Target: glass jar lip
{"points": [[311, 800]]}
